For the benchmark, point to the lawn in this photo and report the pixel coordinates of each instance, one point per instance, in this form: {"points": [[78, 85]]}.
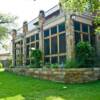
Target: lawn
{"points": [[15, 87]]}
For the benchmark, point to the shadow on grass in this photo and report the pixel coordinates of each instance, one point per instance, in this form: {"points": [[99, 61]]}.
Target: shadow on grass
{"points": [[15, 87]]}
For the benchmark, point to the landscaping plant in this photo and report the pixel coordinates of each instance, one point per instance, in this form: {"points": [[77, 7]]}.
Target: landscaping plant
{"points": [[36, 56], [85, 54]]}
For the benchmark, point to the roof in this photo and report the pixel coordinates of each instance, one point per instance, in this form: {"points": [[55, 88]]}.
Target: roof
{"points": [[35, 20]]}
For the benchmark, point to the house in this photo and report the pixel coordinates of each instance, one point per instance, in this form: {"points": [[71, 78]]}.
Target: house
{"points": [[55, 33], [4, 58]]}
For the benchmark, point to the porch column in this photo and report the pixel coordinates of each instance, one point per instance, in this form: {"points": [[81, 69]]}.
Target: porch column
{"points": [[25, 31], [13, 47], [70, 38], [41, 23]]}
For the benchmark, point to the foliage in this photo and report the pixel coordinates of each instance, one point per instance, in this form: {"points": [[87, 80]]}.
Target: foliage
{"points": [[5, 22], [10, 62], [72, 63], [54, 65], [81, 6], [1, 66], [36, 56], [12, 88], [85, 54]]}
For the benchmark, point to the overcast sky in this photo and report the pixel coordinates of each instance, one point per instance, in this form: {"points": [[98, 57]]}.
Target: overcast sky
{"points": [[25, 9]]}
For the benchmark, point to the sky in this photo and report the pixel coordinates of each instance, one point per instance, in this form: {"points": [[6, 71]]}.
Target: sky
{"points": [[25, 10]]}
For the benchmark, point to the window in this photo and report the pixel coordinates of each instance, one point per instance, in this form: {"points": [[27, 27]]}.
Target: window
{"points": [[33, 45], [85, 37], [91, 29], [37, 45], [54, 59], [47, 60], [54, 45], [28, 40], [54, 30], [27, 51], [77, 37], [46, 47], [32, 38], [62, 59], [61, 27], [46, 33], [27, 62], [92, 39], [76, 25], [37, 36], [62, 43], [84, 27]]}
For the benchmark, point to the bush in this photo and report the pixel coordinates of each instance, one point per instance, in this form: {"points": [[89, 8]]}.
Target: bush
{"points": [[10, 62], [1, 65], [54, 65], [71, 64], [36, 56], [85, 54]]}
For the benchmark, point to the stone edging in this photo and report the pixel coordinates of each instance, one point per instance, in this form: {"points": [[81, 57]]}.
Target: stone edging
{"points": [[74, 75]]}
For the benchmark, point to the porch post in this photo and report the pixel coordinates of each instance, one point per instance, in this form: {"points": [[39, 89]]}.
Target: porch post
{"points": [[13, 47]]}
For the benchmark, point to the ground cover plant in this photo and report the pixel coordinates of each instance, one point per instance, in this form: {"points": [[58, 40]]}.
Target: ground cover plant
{"points": [[15, 87]]}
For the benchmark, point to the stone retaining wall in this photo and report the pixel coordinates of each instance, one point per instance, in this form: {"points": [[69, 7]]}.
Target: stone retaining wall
{"points": [[75, 75]]}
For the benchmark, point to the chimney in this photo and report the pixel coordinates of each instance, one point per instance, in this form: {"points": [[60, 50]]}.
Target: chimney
{"points": [[25, 27], [41, 18]]}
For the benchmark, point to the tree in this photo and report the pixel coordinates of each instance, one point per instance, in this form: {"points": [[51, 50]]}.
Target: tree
{"points": [[81, 6], [5, 20]]}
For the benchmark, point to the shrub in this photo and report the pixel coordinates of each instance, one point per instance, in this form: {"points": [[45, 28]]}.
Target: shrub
{"points": [[71, 64], [36, 56], [54, 65], [1, 65], [9, 62], [85, 54]]}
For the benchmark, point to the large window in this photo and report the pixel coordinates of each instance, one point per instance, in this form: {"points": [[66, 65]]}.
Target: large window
{"points": [[62, 43], [61, 27], [54, 30], [82, 32], [54, 45], [46, 47]]}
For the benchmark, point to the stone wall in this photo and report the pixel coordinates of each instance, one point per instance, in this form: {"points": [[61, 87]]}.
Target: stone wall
{"points": [[77, 75]]}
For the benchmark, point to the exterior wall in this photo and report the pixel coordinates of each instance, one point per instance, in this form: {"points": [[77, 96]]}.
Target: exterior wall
{"points": [[4, 59], [81, 75], [98, 45], [48, 24]]}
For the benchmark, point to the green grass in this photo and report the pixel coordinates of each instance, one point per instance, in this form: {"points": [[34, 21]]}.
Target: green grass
{"points": [[14, 87]]}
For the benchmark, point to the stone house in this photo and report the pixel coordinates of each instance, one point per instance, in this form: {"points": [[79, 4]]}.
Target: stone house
{"points": [[55, 33]]}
